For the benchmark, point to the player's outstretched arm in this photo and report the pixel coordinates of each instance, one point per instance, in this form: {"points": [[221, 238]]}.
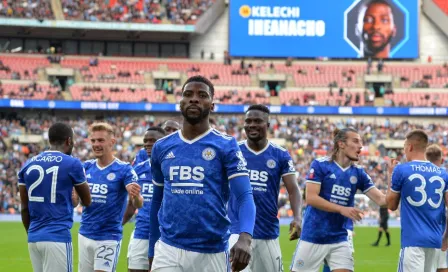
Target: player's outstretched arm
{"points": [[24, 207], [295, 198], [316, 201], [129, 212], [240, 253], [83, 192], [394, 188], [377, 196]]}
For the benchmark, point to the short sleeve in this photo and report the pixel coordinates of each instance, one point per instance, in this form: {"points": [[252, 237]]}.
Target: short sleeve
{"points": [[365, 183], [315, 174], [397, 181], [77, 173], [130, 175], [234, 161], [287, 165], [156, 168], [20, 177]]}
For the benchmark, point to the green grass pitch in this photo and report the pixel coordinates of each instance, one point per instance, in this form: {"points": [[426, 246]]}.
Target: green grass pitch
{"points": [[14, 250]]}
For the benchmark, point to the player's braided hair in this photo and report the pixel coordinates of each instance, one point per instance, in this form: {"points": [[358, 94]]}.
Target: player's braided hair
{"points": [[340, 135]]}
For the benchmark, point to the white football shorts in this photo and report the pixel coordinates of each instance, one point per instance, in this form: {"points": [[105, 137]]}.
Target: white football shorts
{"points": [[443, 259], [309, 257], [418, 259], [97, 255], [138, 254], [266, 255], [172, 259], [51, 256]]}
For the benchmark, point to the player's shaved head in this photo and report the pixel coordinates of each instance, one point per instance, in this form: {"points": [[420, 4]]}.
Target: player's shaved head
{"points": [[434, 154], [102, 126], [418, 138], [59, 133]]}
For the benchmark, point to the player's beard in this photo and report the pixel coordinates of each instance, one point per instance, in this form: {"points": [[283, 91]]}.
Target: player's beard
{"points": [[203, 114], [369, 51]]}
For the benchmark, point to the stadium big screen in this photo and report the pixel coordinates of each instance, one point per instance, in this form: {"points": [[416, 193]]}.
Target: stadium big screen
{"points": [[323, 28]]}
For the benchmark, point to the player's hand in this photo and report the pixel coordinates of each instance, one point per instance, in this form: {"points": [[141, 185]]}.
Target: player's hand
{"points": [[150, 259], [354, 214], [392, 164], [295, 229], [240, 252], [133, 189]]}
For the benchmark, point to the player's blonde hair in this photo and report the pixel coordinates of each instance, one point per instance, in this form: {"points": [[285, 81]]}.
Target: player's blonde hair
{"points": [[433, 153], [102, 126]]}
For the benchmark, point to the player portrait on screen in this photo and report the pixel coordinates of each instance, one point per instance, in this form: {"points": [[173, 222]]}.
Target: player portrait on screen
{"points": [[375, 27]]}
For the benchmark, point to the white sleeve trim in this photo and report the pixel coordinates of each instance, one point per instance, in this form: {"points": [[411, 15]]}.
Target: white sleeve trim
{"points": [[394, 191], [287, 174], [21, 184], [313, 181], [157, 184], [131, 183], [237, 175], [81, 183], [368, 189]]}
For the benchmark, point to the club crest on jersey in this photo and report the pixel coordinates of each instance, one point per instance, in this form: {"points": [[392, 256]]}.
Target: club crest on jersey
{"points": [[353, 180], [111, 176], [208, 154], [271, 164]]}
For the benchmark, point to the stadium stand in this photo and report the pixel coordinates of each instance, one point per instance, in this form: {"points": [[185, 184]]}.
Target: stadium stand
{"points": [[38, 9], [139, 11], [117, 94], [32, 90]]}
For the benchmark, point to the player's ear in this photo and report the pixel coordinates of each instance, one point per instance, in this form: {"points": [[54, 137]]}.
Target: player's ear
{"points": [[113, 140], [212, 107]]}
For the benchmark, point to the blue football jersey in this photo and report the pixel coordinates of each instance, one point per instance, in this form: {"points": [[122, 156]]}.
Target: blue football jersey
{"points": [[143, 171], [102, 219], [338, 186], [266, 169], [422, 186], [140, 157], [195, 175], [49, 178]]}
